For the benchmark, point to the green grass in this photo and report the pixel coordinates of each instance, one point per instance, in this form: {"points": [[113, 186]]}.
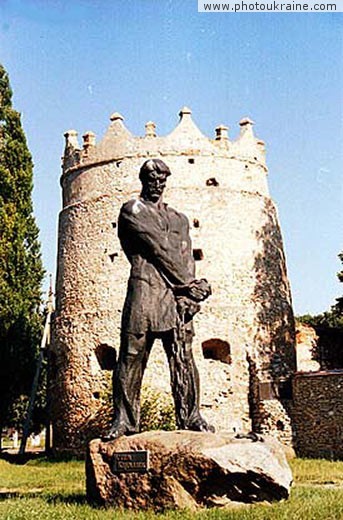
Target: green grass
{"points": [[43, 490]]}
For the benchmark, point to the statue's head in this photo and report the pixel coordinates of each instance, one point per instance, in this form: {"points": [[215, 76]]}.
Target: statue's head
{"points": [[153, 176]]}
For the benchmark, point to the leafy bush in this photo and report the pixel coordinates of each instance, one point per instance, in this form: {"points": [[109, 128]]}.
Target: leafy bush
{"points": [[157, 410]]}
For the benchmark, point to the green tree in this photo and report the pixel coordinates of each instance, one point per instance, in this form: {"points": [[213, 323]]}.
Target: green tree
{"points": [[329, 328], [21, 270], [339, 304], [331, 318]]}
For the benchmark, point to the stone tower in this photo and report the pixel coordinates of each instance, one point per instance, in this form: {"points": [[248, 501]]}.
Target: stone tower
{"points": [[244, 343]]}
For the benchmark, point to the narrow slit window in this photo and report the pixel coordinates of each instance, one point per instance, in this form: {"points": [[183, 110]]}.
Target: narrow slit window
{"points": [[212, 181], [198, 254]]}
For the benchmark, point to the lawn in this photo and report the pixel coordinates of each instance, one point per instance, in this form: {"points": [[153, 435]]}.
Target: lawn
{"points": [[43, 489]]}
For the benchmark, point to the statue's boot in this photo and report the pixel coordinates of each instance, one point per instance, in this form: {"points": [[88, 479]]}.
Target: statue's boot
{"points": [[252, 436], [117, 429], [200, 425]]}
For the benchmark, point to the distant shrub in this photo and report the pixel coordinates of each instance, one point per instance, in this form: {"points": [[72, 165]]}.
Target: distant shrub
{"points": [[157, 410]]}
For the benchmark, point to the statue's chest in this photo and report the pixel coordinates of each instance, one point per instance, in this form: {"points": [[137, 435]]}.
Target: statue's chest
{"points": [[170, 225]]}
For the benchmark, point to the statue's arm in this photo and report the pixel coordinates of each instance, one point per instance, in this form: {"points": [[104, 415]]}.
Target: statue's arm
{"points": [[197, 290], [136, 224]]}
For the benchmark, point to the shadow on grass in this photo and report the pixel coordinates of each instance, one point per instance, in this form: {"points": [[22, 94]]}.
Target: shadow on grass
{"points": [[5, 495], [15, 458], [56, 498], [20, 460], [66, 498]]}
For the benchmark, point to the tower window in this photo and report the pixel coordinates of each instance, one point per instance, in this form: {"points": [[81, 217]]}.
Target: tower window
{"points": [[191, 161], [280, 426], [198, 254], [106, 356], [196, 223], [113, 256], [217, 349], [285, 389], [212, 181]]}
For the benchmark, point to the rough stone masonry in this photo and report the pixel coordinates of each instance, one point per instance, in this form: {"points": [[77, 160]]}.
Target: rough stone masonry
{"points": [[244, 343]]}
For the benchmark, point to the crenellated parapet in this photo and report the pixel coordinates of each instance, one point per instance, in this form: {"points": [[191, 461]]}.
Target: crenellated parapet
{"points": [[118, 142]]}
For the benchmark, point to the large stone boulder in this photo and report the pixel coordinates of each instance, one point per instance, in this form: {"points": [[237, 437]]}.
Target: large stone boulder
{"points": [[188, 469]]}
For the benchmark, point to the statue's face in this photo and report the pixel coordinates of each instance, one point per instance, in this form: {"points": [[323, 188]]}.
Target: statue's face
{"points": [[153, 185]]}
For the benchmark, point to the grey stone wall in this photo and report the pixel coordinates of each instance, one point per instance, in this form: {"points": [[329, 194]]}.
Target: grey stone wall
{"points": [[318, 414]]}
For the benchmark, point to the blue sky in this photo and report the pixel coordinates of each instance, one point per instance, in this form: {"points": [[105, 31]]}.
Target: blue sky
{"points": [[73, 63]]}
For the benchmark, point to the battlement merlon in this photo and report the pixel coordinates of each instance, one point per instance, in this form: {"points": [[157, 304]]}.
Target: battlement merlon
{"points": [[185, 139]]}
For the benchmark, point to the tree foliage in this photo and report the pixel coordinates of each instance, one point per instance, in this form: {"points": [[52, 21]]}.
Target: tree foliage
{"points": [[339, 304], [329, 319], [157, 410], [21, 270], [329, 328]]}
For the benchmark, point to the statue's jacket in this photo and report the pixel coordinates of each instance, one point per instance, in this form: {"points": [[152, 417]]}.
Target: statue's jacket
{"points": [[155, 239]]}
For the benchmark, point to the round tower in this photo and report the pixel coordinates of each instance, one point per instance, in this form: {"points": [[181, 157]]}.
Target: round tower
{"points": [[244, 343]]}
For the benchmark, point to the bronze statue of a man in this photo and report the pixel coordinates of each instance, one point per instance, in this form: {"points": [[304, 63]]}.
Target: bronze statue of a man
{"points": [[162, 297]]}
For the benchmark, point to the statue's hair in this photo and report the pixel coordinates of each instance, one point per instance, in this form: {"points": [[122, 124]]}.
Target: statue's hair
{"points": [[153, 165]]}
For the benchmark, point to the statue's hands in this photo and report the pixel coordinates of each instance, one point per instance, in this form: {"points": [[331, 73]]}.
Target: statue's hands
{"points": [[186, 308], [196, 290], [199, 290], [189, 296]]}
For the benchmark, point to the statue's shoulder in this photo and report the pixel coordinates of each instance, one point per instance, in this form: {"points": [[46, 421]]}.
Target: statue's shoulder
{"points": [[132, 207], [177, 214]]}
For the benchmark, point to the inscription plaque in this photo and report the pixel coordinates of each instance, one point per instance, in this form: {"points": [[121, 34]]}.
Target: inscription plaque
{"points": [[130, 461]]}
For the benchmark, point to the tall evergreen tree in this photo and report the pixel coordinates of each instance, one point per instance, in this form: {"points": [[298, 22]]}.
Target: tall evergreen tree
{"points": [[339, 304], [21, 270]]}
